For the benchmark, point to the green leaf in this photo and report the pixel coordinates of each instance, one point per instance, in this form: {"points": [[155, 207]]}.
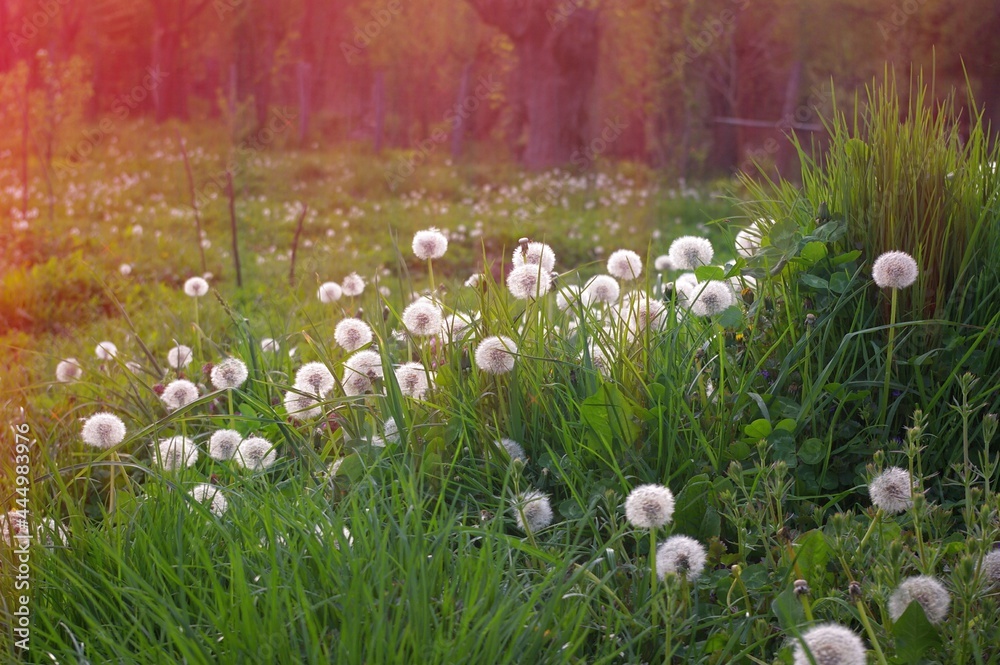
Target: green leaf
{"points": [[814, 282], [846, 257], [813, 451], [732, 317], [783, 444], [840, 282], [758, 429], [788, 609], [915, 635], [812, 553], [570, 509], [694, 514], [782, 235], [708, 273], [787, 424], [813, 251]]}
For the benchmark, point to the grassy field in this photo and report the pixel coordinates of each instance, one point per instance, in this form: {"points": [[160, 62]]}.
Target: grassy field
{"points": [[825, 442]]}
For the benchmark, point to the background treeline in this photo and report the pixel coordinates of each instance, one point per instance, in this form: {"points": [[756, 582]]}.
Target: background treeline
{"points": [[698, 87]]}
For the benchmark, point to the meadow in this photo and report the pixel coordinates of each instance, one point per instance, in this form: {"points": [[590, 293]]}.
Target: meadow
{"points": [[490, 416]]}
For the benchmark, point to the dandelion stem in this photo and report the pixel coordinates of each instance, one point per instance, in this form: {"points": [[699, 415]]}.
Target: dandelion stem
{"points": [[197, 329], [232, 416], [863, 614], [884, 406], [871, 528]]}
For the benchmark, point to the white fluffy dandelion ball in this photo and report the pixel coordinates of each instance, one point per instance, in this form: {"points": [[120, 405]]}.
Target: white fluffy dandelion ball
{"points": [[353, 285], [528, 281], [314, 378], [196, 287], [360, 371], [532, 511], [413, 380], [390, 434], [748, 241], [429, 244], [991, 568], [662, 263], [923, 589], [514, 449], [68, 370], [422, 317], [894, 270], [301, 407], [223, 443], [892, 490], [179, 357], [640, 312], [535, 254], [269, 345], [624, 264], [176, 452], [351, 334], [712, 298], [103, 430], [680, 555], [600, 288], [329, 292], [649, 506], [256, 453], [179, 394], [106, 351], [690, 252], [599, 359], [230, 373], [568, 295], [456, 326], [212, 495], [830, 644], [495, 355]]}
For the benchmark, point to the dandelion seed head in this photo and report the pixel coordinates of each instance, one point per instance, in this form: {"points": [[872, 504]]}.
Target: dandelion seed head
{"points": [[269, 345], [567, 296], [528, 281], [624, 264], [532, 511], [179, 357], [649, 506], [923, 589], [177, 452], [680, 555], [68, 370], [103, 430], [390, 433], [223, 443], [178, 394], [474, 280], [351, 334], [353, 285], [534, 254], [125, 269], [211, 494], [456, 325], [892, 490], [600, 288], [256, 453], [196, 287], [690, 252], [639, 312], [106, 351], [495, 355], [895, 270], [599, 359], [830, 644], [230, 373], [301, 407], [15, 529], [423, 318], [314, 378], [748, 241], [663, 263], [513, 448], [429, 244], [412, 379], [712, 298], [360, 370], [991, 568], [329, 292]]}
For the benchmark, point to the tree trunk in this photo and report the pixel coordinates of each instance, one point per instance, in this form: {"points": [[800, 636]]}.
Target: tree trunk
{"points": [[458, 131]]}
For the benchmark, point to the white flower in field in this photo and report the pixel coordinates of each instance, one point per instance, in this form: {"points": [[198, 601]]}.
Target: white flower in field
{"points": [[624, 264], [301, 407], [662, 263], [230, 373], [639, 312], [223, 443], [892, 490], [456, 326], [360, 370], [196, 287], [353, 285], [179, 394], [390, 434], [256, 453], [423, 317], [568, 295], [176, 452], [532, 511], [712, 298], [413, 380], [14, 528], [133, 367], [830, 644], [351, 334], [513, 448], [599, 359], [314, 378], [211, 494], [103, 430], [50, 533], [528, 281], [137, 229], [495, 355], [269, 345], [474, 280], [179, 357], [68, 370], [748, 241], [106, 351], [125, 269], [991, 568], [600, 288], [534, 254], [686, 283], [429, 244], [739, 282], [680, 555], [649, 506], [923, 589], [895, 270], [328, 292], [690, 252]]}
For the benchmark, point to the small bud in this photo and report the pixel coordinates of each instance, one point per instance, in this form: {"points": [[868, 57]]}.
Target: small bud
{"points": [[801, 588], [989, 427], [206, 369], [784, 534], [158, 389], [810, 320], [854, 590]]}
